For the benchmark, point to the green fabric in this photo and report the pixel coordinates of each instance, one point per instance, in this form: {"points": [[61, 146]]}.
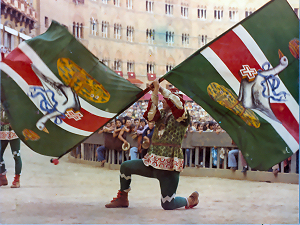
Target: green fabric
{"points": [[53, 46], [173, 134], [57, 43], [20, 117], [272, 27], [168, 181]]}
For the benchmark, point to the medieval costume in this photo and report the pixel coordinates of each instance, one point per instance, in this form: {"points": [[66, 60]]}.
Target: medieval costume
{"points": [[164, 160]]}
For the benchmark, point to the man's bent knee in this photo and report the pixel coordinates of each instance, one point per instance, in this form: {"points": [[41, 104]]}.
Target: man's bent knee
{"points": [[125, 165]]}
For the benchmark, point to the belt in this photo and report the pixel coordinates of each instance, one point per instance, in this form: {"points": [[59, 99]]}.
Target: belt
{"points": [[166, 144]]}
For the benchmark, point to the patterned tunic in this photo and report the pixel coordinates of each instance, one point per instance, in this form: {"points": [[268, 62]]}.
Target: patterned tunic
{"points": [[165, 152], [6, 132]]}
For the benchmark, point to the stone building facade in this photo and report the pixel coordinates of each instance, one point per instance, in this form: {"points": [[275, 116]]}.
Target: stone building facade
{"points": [[144, 39], [18, 18]]}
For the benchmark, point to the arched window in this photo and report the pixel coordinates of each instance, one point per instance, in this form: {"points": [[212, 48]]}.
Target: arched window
{"points": [[94, 26], [104, 29]]}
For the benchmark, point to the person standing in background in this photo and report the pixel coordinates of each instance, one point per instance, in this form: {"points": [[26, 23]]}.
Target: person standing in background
{"points": [[7, 135]]}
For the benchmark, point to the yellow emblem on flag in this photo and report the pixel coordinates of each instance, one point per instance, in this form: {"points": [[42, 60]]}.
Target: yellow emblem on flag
{"points": [[31, 135], [228, 99], [294, 47], [81, 82]]}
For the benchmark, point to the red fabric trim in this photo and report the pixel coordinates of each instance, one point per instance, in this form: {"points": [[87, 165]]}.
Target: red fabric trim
{"points": [[157, 114], [8, 135], [177, 113], [163, 163]]}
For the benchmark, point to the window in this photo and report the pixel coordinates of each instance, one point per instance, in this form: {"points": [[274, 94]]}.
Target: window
{"points": [[94, 26], [248, 13], [117, 3], [8, 41], [233, 14], [129, 4], [117, 30], [130, 66], [185, 39], [78, 30], [105, 61], [104, 1], [129, 33], [218, 14], [202, 13], [169, 37], [169, 9], [150, 35], [150, 67], [184, 11], [104, 29], [169, 67], [149, 6], [46, 21], [202, 40], [75, 29], [78, 2], [117, 65]]}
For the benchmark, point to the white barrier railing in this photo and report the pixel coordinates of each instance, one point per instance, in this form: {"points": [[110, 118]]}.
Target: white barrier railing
{"points": [[200, 156]]}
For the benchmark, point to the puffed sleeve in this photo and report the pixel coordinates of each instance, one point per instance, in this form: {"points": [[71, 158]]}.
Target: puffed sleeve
{"points": [[176, 104]]}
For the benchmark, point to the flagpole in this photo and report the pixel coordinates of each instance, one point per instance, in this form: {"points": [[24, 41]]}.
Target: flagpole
{"points": [[145, 91]]}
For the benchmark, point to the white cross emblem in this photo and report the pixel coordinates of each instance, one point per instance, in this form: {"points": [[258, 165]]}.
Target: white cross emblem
{"points": [[248, 73], [71, 115]]}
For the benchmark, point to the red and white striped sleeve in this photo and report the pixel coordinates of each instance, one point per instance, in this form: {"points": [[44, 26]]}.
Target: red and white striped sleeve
{"points": [[176, 104]]}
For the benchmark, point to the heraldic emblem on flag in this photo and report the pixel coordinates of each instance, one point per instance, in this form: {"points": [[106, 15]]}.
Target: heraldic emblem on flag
{"points": [[57, 93], [247, 80]]}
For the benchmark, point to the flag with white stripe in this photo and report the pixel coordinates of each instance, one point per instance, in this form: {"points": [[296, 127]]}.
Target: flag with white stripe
{"points": [[247, 80], [57, 93]]}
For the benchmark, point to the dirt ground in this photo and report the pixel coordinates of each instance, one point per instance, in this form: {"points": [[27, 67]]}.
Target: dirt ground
{"points": [[72, 193]]}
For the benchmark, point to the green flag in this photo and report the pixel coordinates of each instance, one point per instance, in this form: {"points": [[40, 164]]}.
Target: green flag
{"points": [[57, 93], [247, 80]]}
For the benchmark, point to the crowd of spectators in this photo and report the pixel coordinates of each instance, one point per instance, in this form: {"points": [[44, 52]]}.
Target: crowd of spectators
{"points": [[131, 122], [197, 113], [124, 130]]}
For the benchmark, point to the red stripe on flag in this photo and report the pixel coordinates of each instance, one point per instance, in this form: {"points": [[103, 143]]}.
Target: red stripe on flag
{"points": [[21, 64], [287, 119], [232, 51], [89, 122]]}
